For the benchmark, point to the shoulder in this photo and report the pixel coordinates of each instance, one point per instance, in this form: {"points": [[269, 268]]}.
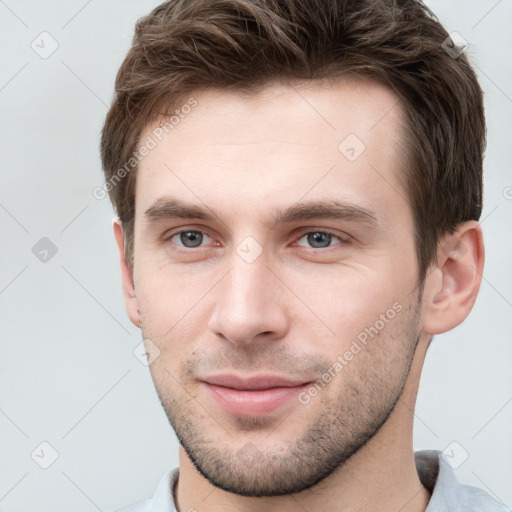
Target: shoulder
{"points": [[466, 497], [447, 494]]}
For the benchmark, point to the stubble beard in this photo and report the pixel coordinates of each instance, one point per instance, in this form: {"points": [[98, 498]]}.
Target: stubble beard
{"points": [[370, 387]]}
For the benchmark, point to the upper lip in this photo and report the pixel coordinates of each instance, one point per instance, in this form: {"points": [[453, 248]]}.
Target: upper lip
{"points": [[253, 383]]}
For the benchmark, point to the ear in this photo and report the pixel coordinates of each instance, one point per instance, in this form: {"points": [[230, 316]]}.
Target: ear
{"points": [[452, 286], [130, 298]]}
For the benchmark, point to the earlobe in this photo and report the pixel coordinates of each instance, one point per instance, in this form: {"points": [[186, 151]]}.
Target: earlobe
{"points": [[130, 297], [452, 286]]}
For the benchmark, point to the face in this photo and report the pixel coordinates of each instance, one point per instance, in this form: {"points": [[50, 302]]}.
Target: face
{"points": [[276, 279]]}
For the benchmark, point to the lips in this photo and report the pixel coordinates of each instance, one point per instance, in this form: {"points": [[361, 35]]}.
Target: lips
{"points": [[253, 396], [253, 383]]}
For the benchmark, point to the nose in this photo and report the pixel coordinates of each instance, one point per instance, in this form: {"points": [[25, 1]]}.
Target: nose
{"points": [[250, 304]]}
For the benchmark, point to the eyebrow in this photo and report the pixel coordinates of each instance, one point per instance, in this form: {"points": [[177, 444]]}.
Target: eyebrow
{"points": [[171, 208]]}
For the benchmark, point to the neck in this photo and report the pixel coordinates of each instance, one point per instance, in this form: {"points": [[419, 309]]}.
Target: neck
{"points": [[381, 475]]}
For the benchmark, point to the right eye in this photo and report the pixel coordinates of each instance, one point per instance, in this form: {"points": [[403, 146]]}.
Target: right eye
{"points": [[188, 238]]}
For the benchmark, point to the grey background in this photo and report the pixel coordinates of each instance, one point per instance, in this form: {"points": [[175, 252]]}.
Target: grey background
{"points": [[68, 375]]}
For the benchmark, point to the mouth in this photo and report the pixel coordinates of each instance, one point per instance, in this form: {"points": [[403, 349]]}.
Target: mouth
{"points": [[253, 396]]}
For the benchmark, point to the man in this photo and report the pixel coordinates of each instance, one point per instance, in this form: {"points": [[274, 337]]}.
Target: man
{"points": [[298, 185]]}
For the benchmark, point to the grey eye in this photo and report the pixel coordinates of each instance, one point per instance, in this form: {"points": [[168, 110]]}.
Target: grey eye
{"points": [[319, 239], [190, 239]]}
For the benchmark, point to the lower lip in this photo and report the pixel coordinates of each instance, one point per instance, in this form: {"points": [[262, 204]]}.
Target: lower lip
{"points": [[252, 403]]}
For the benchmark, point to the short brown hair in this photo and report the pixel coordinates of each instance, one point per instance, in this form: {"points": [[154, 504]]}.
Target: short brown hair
{"points": [[186, 45]]}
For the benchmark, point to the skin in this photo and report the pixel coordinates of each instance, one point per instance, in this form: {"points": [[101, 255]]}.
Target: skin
{"points": [[298, 306]]}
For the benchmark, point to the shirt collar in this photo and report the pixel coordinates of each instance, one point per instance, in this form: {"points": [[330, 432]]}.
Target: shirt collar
{"points": [[163, 499]]}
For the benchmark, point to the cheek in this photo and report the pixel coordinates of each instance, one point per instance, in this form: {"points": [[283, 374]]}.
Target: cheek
{"points": [[344, 302], [172, 307]]}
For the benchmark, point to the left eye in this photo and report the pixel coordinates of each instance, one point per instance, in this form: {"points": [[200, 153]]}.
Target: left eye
{"points": [[319, 239], [189, 239]]}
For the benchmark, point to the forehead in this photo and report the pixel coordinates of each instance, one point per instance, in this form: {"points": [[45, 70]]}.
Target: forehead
{"points": [[297, 112], [232, 150]]}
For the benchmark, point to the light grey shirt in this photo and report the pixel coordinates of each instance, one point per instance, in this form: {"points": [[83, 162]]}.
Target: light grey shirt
{"points": [[433, 470]]}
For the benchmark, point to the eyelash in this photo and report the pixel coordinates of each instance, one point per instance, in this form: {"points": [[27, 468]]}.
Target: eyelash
{"points": [[342, 240]]}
